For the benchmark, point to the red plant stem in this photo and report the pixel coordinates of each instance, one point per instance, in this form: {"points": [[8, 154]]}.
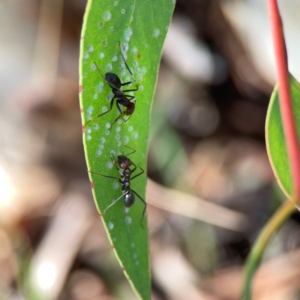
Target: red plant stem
{"points": [[285, 96]]}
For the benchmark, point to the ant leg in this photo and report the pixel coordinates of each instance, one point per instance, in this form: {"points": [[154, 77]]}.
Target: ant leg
{"points": [[119, 109], [119, 170], [135, 176], [117, 120], [132, 90], [126, 83], [113, 203], [115, 164], [124, 120], [121, 114], [124, 59], [133, 151], [107, 176], [111, 105], [127, 119], [133, 165], [144, 204], [129, 97]]}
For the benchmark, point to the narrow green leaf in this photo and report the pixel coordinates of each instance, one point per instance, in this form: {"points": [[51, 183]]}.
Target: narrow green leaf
{"points": [[275, 139], [140, 28]]}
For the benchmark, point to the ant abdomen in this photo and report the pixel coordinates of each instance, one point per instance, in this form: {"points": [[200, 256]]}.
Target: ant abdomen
{"points": [[130, 109], [129, 199]]}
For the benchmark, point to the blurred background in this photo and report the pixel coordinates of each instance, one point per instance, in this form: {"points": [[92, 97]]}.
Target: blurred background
{"points": [[210, 187]]}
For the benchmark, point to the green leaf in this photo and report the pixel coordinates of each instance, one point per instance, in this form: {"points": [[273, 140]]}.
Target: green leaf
{"points": [[275, 139], [140, 27]]}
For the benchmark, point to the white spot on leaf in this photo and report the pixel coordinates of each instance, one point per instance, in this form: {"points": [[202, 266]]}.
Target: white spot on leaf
{"points": [[156, 32], [90, 109], [135, 135], [134, 50], [128, 31], [128, 220], [107, 15], [109, 67], [89, 130]]}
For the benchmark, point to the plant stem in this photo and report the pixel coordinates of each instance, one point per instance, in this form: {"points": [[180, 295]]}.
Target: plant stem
{"points": [[261, 243]]}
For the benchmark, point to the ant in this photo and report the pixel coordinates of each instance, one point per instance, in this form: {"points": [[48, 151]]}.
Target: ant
{"points": [[115, 83], [124, 169]]}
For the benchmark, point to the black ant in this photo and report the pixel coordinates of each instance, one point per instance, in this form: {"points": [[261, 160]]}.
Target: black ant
{"points": [[125, 172], [115, 83]]}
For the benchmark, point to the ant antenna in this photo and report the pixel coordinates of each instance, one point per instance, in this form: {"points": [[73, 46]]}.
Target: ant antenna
{"points": [[99, 71], [125, 60]]}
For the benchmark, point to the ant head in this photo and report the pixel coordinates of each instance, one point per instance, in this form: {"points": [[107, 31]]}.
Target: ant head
{"points": [[113, 80], [124, 161]]}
